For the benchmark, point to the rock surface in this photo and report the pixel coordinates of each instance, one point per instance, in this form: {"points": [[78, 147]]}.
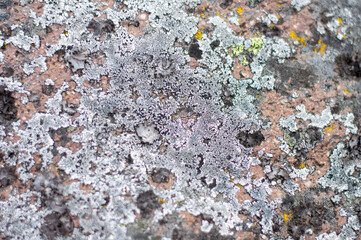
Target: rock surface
{"points": [[168, 119]]}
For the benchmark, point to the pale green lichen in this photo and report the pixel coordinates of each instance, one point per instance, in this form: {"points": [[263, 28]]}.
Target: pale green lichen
{"points": [[244, 61], [256, 45], [291, 141], [237, 50]]}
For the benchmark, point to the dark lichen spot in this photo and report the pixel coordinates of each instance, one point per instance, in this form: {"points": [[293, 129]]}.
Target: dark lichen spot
{"points": [[277, 223], [8, 110], [354, 146], [226, 3], [357, 210], [62, 134], [57, 224], [349, 65], [6, 30], [5, 6], [7, 72], [227, 96], [306, 214], [277, 173], [194, 51], [48, 30], [300, 153], [248, 139], [314, 135], [288, 202], [47, 89], [253, 3], [300, 75], [268, 31], [102, 26], [137, 231], [147, 202], [35, 99], [213, 184], [61, 53], [215, 44], [336, 109], [129, 159], [160, 175], [178, 234], [7, 176]]}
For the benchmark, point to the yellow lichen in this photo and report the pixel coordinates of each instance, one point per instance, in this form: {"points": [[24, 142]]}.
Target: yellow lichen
{"points": [[330, 128], [198, 35], [303, 165], [293, 35], [322, 49], [339, 21], [287, 217], [162, 200], [347, 92], [301, 40], [240, 10]]}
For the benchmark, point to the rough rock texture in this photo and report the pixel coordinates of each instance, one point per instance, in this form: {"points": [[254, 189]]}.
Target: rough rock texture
{"points": [[169, 119]]}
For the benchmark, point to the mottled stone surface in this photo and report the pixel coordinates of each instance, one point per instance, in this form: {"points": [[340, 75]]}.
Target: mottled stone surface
{"points": [[168, 119]]}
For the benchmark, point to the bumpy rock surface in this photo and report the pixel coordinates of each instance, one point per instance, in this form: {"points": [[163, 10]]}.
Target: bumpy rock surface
{"points": [[180, 119]]}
